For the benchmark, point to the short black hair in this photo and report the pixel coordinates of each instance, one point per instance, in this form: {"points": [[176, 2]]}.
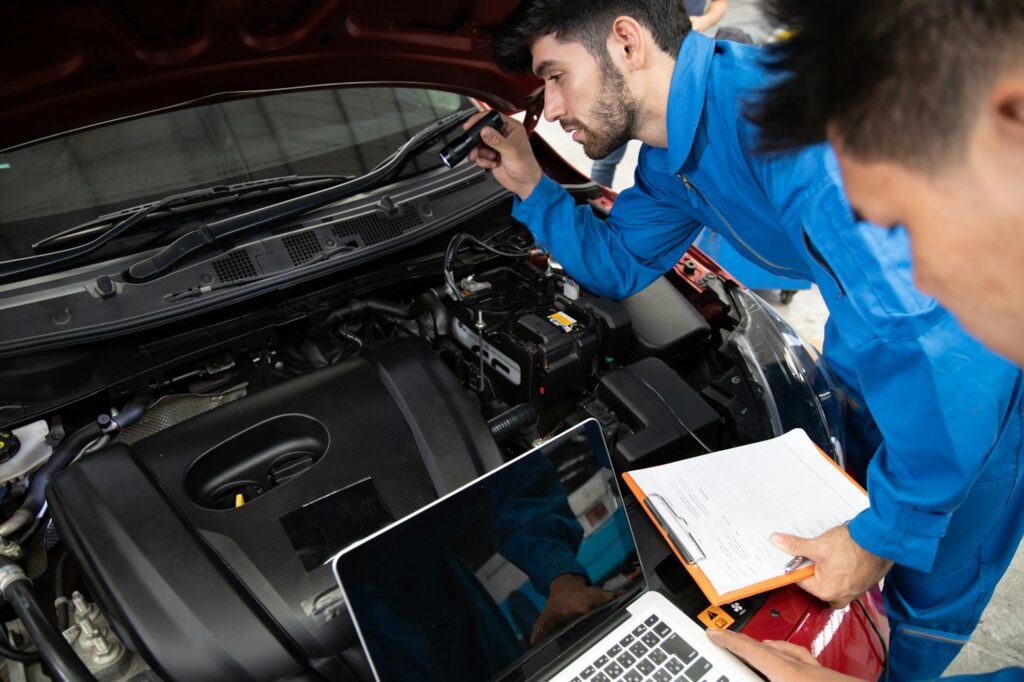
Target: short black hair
{"points": [[896, 80], [587, 22]]}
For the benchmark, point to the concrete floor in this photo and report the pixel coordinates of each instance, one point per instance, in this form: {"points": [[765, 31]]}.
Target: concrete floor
{"points": [[999, 639]]}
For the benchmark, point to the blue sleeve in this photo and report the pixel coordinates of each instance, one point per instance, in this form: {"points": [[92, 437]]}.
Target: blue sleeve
{"points": [[1004, 675], [535, 528], [945, 406], [643, 238]]}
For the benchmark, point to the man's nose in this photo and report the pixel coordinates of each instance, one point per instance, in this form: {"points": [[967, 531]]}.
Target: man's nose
{"points": [[554, 107]]}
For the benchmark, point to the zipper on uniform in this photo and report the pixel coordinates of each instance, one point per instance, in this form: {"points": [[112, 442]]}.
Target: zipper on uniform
{"points": [[725, 221], [820, 260]]}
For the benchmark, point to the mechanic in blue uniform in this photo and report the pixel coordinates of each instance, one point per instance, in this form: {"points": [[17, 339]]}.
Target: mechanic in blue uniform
{"points": [[950, 175], [703, 17], [940, 414]]}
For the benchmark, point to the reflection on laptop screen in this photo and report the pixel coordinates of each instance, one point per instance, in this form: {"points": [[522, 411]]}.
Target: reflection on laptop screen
{"points": [[469, 586]]}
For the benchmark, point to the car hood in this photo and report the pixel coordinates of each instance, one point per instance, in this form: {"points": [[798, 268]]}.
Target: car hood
{"points": [[69, 64]]}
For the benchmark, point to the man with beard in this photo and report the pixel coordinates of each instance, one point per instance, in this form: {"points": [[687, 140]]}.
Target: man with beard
{"points": [[937, 415]]}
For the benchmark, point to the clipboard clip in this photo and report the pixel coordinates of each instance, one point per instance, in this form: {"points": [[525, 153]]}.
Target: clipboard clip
{"points": [[677, 541]]}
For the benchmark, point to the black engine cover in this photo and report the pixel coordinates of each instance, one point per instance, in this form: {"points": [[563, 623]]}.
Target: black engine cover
{"points": [[205, 590]]}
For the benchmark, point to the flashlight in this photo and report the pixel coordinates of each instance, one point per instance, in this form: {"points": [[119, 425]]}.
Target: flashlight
{"points": [[458, 149]]}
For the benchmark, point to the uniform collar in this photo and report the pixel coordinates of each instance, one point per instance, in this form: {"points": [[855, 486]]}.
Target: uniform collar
{"points": [[686, 96]]}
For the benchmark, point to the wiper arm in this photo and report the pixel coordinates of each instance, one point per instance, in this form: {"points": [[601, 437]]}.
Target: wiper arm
{"points": [[99, 225], [30, 265], [227, 228]]}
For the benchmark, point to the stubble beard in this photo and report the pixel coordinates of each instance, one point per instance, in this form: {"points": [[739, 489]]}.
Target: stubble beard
{"points": [[616, 110]]}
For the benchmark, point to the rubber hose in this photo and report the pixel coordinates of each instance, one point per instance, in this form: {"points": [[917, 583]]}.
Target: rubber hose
{"points": [[431, 302], [18, 655], [512, 420], [63, 456], [376, 305], [60, 458], [132, 412], [64, 607], [7, 650], [60, 658]]}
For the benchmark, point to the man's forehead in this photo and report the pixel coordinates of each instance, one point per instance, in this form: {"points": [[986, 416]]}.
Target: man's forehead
{"points": [[549, 54]]}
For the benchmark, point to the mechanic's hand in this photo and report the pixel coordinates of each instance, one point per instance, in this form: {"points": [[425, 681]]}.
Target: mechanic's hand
{"points": [[508, 155], [778, 661], [569, 597], [843, 570]]}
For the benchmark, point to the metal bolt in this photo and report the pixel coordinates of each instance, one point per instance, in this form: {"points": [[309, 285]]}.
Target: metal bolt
{"points": [[736, 380], [88, 628], [81, 606]]}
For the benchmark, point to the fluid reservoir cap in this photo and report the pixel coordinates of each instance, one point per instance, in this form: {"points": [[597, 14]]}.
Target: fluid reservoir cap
{"points": [[9, 445]]}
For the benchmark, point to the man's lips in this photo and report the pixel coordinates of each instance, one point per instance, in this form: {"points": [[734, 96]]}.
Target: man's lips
{"points": [[574, 130]]}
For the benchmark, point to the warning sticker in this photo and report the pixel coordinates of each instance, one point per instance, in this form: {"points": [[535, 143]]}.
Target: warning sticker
{"points": [[562, 321], [715, 617]]}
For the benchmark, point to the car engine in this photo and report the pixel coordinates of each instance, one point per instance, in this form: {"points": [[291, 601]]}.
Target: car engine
{"points": [[202, 526]]}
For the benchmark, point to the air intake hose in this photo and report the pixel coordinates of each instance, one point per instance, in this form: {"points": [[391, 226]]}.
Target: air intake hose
{"points": [[511, 421]]}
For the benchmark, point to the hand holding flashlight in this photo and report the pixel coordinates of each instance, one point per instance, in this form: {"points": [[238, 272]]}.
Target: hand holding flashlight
{"points": [[459, 148], [506, 151]]}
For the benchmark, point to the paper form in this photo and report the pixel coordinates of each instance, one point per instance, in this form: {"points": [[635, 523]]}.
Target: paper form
{"points": [[732, 501]]}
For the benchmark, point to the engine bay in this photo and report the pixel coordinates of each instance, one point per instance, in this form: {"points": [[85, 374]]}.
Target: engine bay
{"points": [[191, 527]]}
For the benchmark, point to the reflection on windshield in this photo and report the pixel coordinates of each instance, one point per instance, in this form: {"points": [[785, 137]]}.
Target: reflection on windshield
{"points": [[465, 589], [60, 182]]}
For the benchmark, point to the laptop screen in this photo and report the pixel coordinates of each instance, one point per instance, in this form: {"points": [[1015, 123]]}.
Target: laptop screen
{"points": [[474, 584]]}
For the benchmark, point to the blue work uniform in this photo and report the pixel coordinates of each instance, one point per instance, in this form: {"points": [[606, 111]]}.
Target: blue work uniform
{"points": [[940, 413]]}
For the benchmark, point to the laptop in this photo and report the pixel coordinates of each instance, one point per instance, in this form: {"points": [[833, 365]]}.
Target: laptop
{"points": [[530, 572]]}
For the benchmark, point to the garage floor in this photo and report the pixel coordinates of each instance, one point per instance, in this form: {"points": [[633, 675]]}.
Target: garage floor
{"points": [[999, 639]]}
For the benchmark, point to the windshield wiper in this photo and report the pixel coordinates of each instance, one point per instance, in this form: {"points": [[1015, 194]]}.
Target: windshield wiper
{"points": [[233, 226], [193, 199], [128, 219]]}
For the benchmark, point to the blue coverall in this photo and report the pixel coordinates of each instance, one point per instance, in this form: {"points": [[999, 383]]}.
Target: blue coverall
{"points": [[946, 506]]}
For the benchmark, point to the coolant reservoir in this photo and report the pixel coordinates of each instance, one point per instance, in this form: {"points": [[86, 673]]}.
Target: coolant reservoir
{"points": [[33, 450]]}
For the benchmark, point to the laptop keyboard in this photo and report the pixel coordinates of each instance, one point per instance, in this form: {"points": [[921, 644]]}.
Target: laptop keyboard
{"points": [[653, 651]]}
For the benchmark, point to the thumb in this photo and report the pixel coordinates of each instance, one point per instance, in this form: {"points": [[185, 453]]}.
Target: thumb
{"points": [[492, 137], [791, 544]]}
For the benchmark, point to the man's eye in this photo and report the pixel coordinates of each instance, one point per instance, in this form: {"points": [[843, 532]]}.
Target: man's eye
{"points": [[555, 78]]}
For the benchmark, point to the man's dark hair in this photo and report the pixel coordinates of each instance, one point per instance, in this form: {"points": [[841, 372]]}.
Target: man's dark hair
{"points": [[585, 21], [898, 80]]}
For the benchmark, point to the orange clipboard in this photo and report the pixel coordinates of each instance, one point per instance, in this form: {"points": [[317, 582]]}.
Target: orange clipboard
{"points": [[716, 598]]}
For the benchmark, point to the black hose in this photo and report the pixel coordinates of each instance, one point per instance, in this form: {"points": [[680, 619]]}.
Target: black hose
{"points": [[133, 411], [60, 458], [63, 456], [60, 658], [27, 534], [63, 605], [512, 420], [7, 650], [402, 310], [431, 302]]}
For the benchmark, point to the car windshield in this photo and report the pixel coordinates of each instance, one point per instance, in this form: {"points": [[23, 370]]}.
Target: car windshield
{"points": [[60, 182]]}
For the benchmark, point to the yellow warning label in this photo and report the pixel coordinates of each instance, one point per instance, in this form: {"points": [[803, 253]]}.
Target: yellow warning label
{"points": [[715, 617], [562, 320]]}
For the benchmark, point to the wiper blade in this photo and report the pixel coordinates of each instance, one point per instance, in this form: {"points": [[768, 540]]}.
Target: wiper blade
{"points": [[191, 198], [233, 226], [30, 265]]}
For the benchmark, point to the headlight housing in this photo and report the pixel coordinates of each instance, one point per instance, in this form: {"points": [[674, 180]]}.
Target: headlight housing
{"points": [[795, 384]]}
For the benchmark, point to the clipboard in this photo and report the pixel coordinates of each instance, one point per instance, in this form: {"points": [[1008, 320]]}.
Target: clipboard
{"points": [[682, 547]]}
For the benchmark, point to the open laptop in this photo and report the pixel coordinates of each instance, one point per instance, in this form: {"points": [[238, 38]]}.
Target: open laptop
{"points": [[459, 590]]}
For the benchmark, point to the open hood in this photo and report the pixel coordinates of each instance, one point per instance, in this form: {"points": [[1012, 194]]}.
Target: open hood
{"points": [[69, 64]]}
